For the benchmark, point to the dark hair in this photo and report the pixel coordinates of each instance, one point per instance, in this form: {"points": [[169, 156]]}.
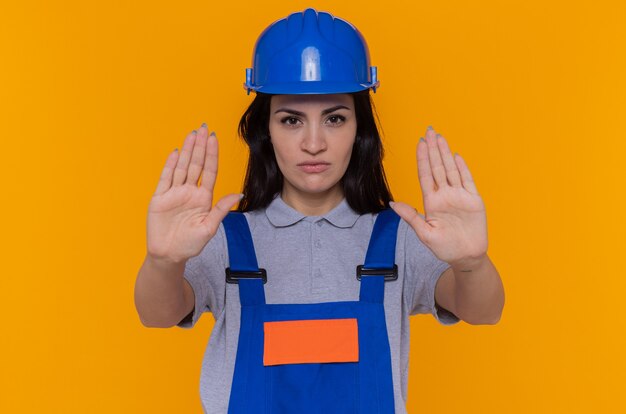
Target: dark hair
{"points": [[364, 183]]}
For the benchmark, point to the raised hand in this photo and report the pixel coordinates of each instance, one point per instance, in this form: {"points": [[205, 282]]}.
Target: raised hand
{"points": [[455, 224], [181, 218]]}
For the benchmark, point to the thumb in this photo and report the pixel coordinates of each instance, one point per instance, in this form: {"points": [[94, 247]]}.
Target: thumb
{"points": [[411, 216], [221, 209]]}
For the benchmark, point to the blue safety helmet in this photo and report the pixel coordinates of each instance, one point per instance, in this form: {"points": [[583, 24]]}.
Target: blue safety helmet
{"points": [[310, 52]]}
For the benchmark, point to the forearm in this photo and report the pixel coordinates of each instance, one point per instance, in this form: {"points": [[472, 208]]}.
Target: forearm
{"points": [[160, 295], [479, 293]]}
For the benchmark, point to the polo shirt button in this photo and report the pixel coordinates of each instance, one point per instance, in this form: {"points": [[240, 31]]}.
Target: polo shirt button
{"points": [[319, 223], [318, 244]]}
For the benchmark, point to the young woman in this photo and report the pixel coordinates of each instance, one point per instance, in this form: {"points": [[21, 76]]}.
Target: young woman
{"points": [[297, 328]]}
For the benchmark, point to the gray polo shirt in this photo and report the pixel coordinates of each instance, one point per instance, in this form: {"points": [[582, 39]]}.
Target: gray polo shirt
{"points": [[309, 260]]}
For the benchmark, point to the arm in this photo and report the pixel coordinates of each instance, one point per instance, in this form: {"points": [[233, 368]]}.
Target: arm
{"points": [[473, 292], [163, 297], [454, 228], [180, 223]]}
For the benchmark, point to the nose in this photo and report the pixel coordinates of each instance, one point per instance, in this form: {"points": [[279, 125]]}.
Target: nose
{"points": [[314, 140]]}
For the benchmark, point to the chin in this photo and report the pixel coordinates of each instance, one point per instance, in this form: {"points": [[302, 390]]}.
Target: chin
{"points": [[317, 188]]}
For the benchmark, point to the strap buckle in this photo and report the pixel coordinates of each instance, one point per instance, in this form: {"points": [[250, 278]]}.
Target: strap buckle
{"points": [[233, 276], [390, 274]]}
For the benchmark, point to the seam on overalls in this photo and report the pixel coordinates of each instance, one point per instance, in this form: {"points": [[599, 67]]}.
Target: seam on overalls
{"points": [[269, 373], [357, 394], [378, 394], [248, 364]]}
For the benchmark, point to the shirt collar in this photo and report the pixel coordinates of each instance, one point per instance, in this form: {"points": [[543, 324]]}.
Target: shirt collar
{"points": [[282, 215]]}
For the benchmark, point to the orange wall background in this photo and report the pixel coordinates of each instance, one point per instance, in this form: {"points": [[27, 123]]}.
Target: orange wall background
{"points": [[94, 95]]}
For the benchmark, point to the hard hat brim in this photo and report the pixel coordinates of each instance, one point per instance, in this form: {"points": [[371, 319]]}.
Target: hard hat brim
{"points": [[311, 87]]}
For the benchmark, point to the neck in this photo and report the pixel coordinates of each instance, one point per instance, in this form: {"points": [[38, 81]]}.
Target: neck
{"points": [[312, 204]]}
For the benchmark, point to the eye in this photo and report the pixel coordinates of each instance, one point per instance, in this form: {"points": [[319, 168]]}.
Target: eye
{"points": [[290, 121], [336, 119]]}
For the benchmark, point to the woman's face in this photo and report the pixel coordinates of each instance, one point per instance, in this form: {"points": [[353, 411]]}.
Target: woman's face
{"points": [[312, 136]]}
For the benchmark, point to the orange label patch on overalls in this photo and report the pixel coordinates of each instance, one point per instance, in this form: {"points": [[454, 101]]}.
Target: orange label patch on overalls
{"points": [[311, 341]]}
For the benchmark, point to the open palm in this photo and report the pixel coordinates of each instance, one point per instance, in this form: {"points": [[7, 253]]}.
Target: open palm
{"points": [[181, 218], [454, 226]]}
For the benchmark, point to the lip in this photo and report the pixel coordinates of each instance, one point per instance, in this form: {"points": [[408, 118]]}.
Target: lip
{"points": [[313, 166]]}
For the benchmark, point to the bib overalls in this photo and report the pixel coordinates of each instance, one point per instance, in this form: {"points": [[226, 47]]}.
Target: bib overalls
{"points": [[321, 358]]}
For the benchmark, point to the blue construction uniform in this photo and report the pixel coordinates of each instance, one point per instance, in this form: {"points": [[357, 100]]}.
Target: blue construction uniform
{"points": [[362, 386]]}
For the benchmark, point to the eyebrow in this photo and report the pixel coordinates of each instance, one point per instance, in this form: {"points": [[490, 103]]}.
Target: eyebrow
{"points": [[324, 112]]}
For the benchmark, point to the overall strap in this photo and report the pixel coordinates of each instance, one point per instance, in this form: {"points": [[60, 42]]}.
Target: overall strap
{"points": [[380, 258], [244, 268]]}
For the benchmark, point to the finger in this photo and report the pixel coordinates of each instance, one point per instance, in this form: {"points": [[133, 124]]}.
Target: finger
{"points": [[452, 172], [219, 211], [197, 156], [424, 173], [165, 182], [466, 176], [436, 164], [411, 216], [209, 174], [180, 173]]}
